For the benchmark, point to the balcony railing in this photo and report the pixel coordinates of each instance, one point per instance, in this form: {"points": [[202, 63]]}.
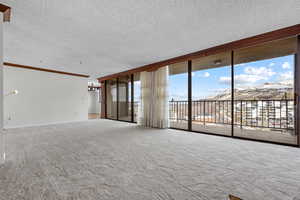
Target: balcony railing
{"points": [[273, 114]]}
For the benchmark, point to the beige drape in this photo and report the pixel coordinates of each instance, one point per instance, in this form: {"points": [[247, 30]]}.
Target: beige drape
{"points": [[154, 104]]}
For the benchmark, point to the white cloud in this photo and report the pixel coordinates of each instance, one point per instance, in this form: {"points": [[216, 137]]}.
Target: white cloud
{"points": [[225, 79], [261, 71], [286, 76], [251, 75], [205, 74], [242, 79], [271, 64], [286, 65], [247, 78], [193, 73]]}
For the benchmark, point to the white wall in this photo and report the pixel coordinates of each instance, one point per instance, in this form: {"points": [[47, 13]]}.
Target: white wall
{"points": [[43, 98], [94, 104], [2, 144]]}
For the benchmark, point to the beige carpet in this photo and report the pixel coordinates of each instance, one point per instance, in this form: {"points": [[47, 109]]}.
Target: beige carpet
{"points": [[102, 159]]}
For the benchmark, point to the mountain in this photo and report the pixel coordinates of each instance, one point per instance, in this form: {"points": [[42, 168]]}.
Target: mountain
{"points": [[266, 91]]}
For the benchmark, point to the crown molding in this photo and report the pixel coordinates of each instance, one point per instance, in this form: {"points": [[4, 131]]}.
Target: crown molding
{"points": [[43, 69]]}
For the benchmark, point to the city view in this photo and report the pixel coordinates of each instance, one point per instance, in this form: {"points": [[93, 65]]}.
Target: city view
{"points": [[263, 98]]}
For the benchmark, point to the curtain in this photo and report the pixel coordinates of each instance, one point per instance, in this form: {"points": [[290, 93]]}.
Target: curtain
{"points": [[154, 103]]}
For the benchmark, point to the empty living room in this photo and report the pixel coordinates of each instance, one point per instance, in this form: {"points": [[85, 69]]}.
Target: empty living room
{"points": [[149, 99]]}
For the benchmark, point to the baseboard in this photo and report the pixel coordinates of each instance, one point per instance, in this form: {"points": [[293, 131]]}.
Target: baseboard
{"points": [[42, 124]]}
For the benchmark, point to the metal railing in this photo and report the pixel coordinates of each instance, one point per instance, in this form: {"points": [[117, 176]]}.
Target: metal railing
{"points": [[274, 114]]}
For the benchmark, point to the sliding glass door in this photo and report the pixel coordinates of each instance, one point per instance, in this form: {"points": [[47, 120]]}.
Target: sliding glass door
{"points": [[124, 97], [111, 98], [264, 92], [178, 95], [211, 94]]}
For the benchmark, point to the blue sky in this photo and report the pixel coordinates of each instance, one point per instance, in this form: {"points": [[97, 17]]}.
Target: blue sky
{"points": [[211, 81]]}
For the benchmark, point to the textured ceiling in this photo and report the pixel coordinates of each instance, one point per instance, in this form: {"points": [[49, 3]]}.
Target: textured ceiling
{"points": [[101, 37]]}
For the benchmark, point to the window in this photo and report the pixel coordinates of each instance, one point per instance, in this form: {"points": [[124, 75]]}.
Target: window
{"points": [[211, 94], [178, 95], [264, 92]]}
